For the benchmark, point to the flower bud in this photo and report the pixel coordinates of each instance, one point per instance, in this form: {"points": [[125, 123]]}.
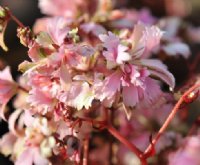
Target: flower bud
{"points": [[4, 18], [25, 35], [72, 143]]}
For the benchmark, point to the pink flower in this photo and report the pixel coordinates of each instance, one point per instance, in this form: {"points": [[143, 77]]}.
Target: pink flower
{"points": [[31, 155], [138, 87], [8, 89], [74, 55], [130, 17], [58, 28], [177, 48], [78, 96], [145, 39], [6, 143], [115, 52], [135, 85], [39, 97], [60, 7], [158, 69], [105, 90], [188, 154], [93, 28]]}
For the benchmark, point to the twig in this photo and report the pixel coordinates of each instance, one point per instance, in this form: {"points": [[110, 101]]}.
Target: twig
{"points": [[117, 135], [124, 141], [169, 119], [17, 21], [111, 139], [23, 89], [86, 151]]}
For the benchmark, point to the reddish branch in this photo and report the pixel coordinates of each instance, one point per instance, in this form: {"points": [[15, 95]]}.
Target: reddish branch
{"points": [[86, 151], [169, 119], [16, 20], [23, 89], [128, 144], [148, 152]]}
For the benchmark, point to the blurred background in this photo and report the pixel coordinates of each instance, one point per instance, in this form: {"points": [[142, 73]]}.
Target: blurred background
{"points": [[27, 11]]}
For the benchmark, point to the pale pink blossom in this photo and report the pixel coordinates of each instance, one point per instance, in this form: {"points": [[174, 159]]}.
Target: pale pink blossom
{"points": [[76, 56], [6, 143], [8, 89], [41, 25], [60, 7], [79, 96], [188, 153], [177, 48], [158, 69], [58, 29], [93, 28], [145, 39], [31, 155], [128, 18], [116, 52], [132, 81]]}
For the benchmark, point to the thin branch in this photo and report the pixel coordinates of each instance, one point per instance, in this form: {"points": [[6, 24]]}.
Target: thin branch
{"points": [[86, 151], [117, 135], [169, 119], [23, 89], [16, 20], [124, 141], [111, 139]]}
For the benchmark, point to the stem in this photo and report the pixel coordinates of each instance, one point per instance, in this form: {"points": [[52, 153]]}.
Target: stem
{"points": [[17, 21], [23, 89], [169, 119], [194, 64], [111, 139], [129, 145], [117, 135], [86, 151]]}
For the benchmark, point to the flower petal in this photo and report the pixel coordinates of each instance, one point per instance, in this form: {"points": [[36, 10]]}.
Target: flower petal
{"points": [[130, 95], [7, 143], [158, 69], [177, 48]]}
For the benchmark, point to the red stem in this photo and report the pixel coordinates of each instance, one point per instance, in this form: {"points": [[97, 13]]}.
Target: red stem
{"points": [[118, 136], [18, 22], [124, 141], [86, 151], [169, 119], [23, 89]]}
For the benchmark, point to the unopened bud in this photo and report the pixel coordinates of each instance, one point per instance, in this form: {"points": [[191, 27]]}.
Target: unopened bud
{"points": [[4, 15], [4, 18], [72, 143], [25, 35]]}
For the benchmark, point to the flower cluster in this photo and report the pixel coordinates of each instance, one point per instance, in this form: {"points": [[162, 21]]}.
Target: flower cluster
{"points": [[92, 66]]}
